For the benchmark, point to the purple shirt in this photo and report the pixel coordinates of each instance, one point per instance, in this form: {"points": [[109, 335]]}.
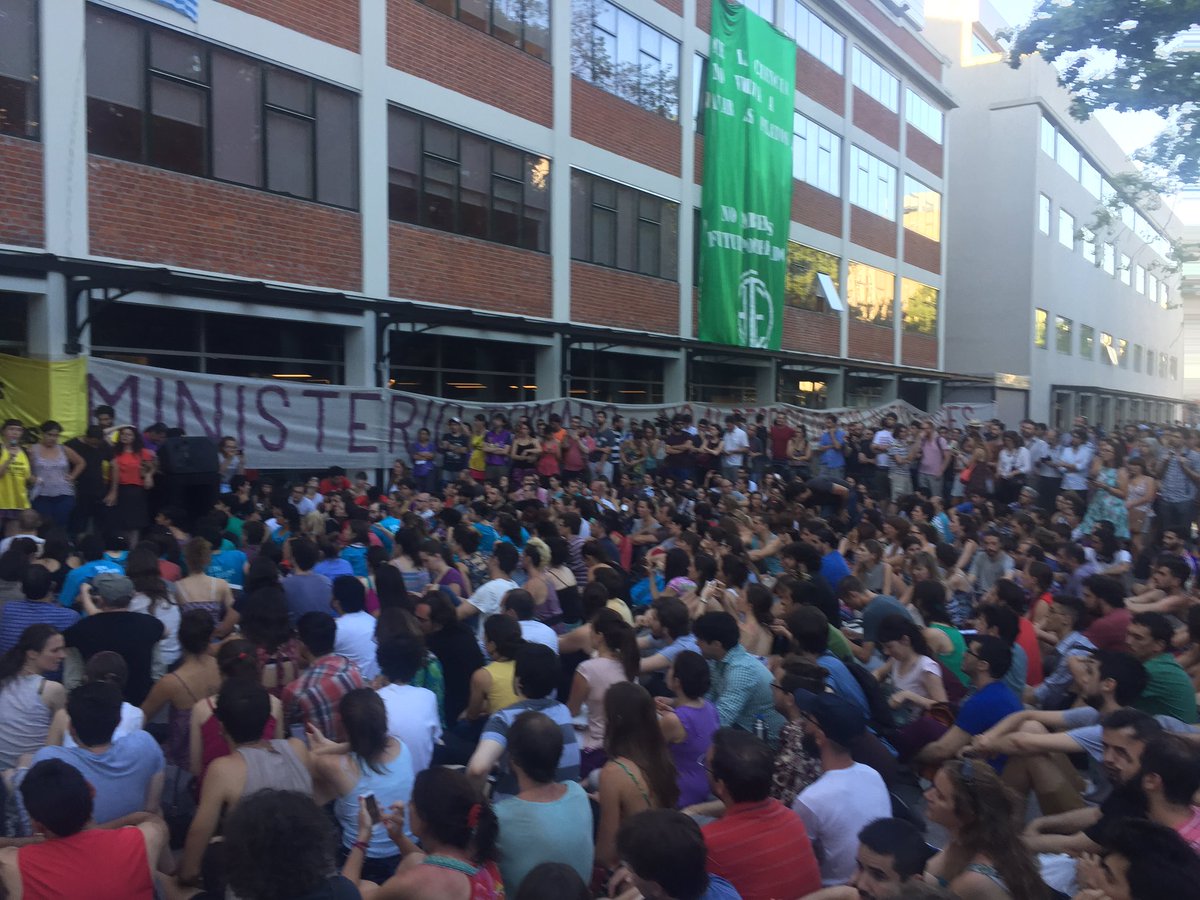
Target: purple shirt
{"points": [[499, 439], [699, 725]]}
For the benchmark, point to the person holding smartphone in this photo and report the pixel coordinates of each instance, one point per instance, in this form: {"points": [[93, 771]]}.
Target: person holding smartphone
{"points": [[15, 476]]}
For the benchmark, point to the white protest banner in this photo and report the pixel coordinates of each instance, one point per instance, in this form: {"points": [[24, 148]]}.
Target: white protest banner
{"points": [[296, 425]]}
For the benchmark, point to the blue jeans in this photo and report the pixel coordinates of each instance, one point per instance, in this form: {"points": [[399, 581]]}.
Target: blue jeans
{"points": [[56, 509]]}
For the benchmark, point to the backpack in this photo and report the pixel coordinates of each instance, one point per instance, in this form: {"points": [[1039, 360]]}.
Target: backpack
{"points": [[882, 722]]}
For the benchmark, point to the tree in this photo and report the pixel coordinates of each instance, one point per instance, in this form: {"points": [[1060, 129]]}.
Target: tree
{"points": [[1084, 36]]}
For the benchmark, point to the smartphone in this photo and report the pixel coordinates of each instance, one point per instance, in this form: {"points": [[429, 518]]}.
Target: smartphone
{"points": [[373, 808]]}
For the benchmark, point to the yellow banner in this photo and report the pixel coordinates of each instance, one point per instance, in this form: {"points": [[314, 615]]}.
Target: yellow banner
{"points": [[35, 390]]}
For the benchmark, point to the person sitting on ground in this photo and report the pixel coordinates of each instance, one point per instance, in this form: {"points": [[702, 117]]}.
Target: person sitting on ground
{"points": [[984, 858], [1169, 779], [664, 857], [37, 607], [519, 604], [891, 854], [313, 697], [915, 678], [109, 625], [536, 674], [688, 725], [412, 712], [1104, 598], [759, 845], [197, 676], [848, 795], [668, 621], [741, 684], [1063, 622], [546, 821], [304, 589], [1139, 860], [492, 687], [874, 608], [126, 775], [487, 600], [1168, 690], [28, 699], [109, 667], [76, 860], [615, 660], [355, 637], [1001, 622]]}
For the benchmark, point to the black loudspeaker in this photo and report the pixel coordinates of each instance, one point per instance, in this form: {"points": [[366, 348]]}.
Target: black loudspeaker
{"points": [[188, 456]]}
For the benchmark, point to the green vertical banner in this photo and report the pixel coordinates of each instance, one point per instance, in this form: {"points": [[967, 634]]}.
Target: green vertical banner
{"points": [[747, 205]]}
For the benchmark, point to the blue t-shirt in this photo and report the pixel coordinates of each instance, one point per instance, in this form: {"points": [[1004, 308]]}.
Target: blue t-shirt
{"points": [[119, 775], [984, 709], [229, 565], [834, 568], [308, 593], [677, 646], [17, 615], [86, 572], [720, 889], [487, 537], [843, 682], [831, 457], [333, 568], [496, 730], [356, 556], [559, 831]]}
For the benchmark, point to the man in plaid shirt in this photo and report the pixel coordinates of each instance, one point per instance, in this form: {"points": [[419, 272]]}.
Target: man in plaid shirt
{"points": [[314, 696]]}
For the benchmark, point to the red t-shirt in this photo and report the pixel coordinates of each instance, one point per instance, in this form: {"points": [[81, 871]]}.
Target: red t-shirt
{"points": [[763, 849], [1108, 632], [1028, 642], [129, 466], [780, 435], [97, 864]]}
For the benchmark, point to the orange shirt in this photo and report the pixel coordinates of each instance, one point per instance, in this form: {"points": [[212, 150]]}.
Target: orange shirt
{"points": [[129, 467]]}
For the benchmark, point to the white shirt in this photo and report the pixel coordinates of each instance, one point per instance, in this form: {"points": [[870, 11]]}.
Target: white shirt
{"points": [[834, 809], [487, 600], [736, 445], [1081, 459], [7, 542], [413, 719], [539, 633], [1013, 462], [131, 721], [355, 639], [884, 439]]}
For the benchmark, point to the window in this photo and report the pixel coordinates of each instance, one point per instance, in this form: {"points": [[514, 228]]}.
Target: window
{"points": [[765, 8], [979, 46], [167, 100], [1044, 214], [522, 24], [814, 36], [1089, 177], [1124, 268], [870, 294], [1151, 288], [1048, 135], [614, 225], [460, 368], [1162, 365], [922, 209], [699, 75], [874, 80], [872, 184], [1139, 279], [1087, 341], [1137, 357], [1174, 368], [1088, 244], [804, 264], [1149, 361], [922, 115], [918, 307], [19, 68], [1066, 229], [1108, 352], [1067, 156], [608, 377], [1041, 320], [445, 178], [1110, 258], [1062, 334], [816, 156], [1123, 353], [623, 55]]}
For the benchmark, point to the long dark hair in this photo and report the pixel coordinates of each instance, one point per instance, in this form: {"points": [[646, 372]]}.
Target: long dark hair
{"points": [[142, 568], [365, 720], [265, 619], [632, 731], [619, 637], [897, 626], [33, 638], [455, 812]]}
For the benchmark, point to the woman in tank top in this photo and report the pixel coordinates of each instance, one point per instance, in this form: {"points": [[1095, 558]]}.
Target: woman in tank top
{"points": [[55, 469], [27, 700], [196, 676], [201, 591]]}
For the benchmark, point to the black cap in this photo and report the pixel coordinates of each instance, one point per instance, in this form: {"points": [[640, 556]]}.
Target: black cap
{"points": [[841, 721]]}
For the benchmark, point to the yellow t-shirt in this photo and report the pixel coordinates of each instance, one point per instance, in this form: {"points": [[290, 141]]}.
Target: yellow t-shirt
{"points": [[502, 692], [14, 483], [476, 461]]}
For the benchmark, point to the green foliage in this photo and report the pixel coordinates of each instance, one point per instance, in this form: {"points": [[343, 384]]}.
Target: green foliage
{"points": [[1132, 34]]}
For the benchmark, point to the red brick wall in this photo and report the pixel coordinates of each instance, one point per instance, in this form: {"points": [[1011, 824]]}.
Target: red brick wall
{"points": [[920, 350], [924, 151], [334, 21], [921, 251], [443, 50], [148, 214], [607, 121], [675, 6], [872, 231], [872, 342], [876, 119], [816, 208], [21, 192], [606, 296], [900, 36], [812, 332], [436, 267], [817, 80], [704, 15]]}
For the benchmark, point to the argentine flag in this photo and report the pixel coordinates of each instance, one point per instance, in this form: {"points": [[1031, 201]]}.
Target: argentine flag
{"points": [[189, 8]]}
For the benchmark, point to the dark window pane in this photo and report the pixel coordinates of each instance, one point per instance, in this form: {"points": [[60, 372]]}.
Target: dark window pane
{"points": [[604, 237], [506, 21], [337, 147], [404, 165], [288, 90], [441, 187], [178, 122], [442, 6], [581, 216], [474, 182], [648, 238], [537, 28], [474, 13], [604, 193], [237, 119], [289, 155], [506, 161], [627, 207], [18, 68], [179, 55], [114, 74], [506, 211], [534, 231], [441, 140]]}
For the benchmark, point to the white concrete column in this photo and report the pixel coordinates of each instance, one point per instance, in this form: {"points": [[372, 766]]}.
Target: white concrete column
{"points": [[64, 127], [373, 151], [560, 168]]}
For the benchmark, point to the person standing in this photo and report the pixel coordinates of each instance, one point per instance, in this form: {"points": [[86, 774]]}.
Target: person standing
{"points": [[497, 442], [89, 512], [15, 475], [935, 457], [55, 468], [880, 444], [832, 445], [133, 469], [734, 446], [455, 447], [1178, 475]]}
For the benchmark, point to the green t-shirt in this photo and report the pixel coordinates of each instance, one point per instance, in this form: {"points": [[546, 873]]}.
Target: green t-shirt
{"points": [[1169, 691], [839, 646]]}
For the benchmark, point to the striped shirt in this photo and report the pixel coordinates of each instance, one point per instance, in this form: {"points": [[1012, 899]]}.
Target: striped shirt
{"points": [[500, 722], [763, 849], [17, 615]]}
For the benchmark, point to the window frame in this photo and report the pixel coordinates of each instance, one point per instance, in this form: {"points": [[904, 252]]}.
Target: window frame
{"points": [[1063, 332], [874, 79], [665, 261], [872, 181], [922, 115], [491, 23], [31, 128], [924, 190], [1041, 328], [814, 131], [830, 44], [583, 67], [1066, 236]]}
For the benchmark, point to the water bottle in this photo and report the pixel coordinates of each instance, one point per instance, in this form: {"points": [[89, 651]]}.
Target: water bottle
{"points": [[760, 728]]}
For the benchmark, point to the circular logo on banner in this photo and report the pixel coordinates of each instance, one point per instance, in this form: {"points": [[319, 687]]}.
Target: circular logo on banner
{"points": [[756, 312]]}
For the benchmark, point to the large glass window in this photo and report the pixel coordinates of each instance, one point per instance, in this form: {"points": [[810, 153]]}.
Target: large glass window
{"points": [[1087, 341], [922, 115], [19, 68], [453, 180], [814, 36], [1067, 156], [1137, 357], [1108, 349], [1088, 244], [874, 80], [765, 8], [804, 265], [1041, 320], [922, 209], [1090, 178], [615, 225], [724, 383], [619, 52], [1047, 135], [1139, 278], [870, 294], [462, 368], [1124, 269], [165, 99], [1123, 353], [1043, 214], [816, 155], [1151, 288], [1149, 361], [1066, 229], [524, 24], [1109, 258], [918, 307], [872, 183], [608, 377], [1062, 334]]}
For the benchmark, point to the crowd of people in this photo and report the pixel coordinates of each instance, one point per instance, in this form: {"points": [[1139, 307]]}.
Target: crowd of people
{"points": [[668, 659]]}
